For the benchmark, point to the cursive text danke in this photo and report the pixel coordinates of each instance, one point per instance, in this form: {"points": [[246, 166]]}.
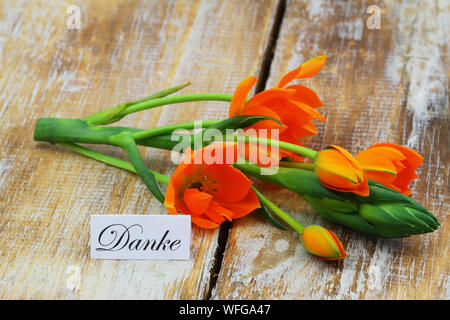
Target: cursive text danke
{"points": [[116, 237]]}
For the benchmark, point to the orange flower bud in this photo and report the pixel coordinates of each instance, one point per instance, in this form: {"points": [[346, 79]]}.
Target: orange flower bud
{"points": [[323, 243], [391, 165], [338, 170]]}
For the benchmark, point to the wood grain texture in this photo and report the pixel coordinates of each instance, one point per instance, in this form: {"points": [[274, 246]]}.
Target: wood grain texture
{"points": [[378, 85], [123, 51]]}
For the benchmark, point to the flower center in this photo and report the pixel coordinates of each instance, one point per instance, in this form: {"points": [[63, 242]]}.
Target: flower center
{"points": [[196, 185]]}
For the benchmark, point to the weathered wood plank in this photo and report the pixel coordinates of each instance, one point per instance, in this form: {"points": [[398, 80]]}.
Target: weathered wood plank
{"points": [[123, 51], [378, 85]]}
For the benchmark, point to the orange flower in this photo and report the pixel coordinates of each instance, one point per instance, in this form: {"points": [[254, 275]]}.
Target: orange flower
{"points": [[338, 170], [294, 106], [391, 165], [323, 243], [213, 192]]}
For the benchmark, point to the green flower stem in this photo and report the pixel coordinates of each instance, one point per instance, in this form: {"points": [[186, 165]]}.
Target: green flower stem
{"points": [[113, 114], [56, 130], [163, 93], [298, 165], [281, 144], [125, 140], [143, 134], [153, 103], [112, 161], [280, 213]]}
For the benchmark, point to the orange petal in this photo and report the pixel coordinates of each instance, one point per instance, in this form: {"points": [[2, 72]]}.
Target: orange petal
{"points": [[306, 70], [269, 94], [181, 178], [351, 159], [259, 110], [405, 160], [196, 201], [179, 181], [292, 114], [204, 223], [338, 170], [339, 245], [217, 153], [403, 179], [226, 183], [341, 180], [414, 159], [218, 213], [313, 113], [307, 130], [362, 189], [379, 159], [335, 169], [288, 109], [305, 95], [237, 103], [244, 206], [169, 199], [382, 177]]}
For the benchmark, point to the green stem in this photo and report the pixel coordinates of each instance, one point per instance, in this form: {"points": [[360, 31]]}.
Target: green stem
{"points": [[281, 144], [142, 134], [163, 93], [176, 99], [57, 130], [298, 165], [112, 161], [111, 115], [125, 140], [257, 140], [280, 213]]}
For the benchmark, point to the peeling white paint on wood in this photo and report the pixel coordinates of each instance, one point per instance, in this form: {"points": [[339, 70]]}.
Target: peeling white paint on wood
{"points": [[422, 60], [124, 50]]}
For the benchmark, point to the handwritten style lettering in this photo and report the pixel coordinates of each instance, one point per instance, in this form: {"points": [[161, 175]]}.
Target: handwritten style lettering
{"points": [[116, 237]]}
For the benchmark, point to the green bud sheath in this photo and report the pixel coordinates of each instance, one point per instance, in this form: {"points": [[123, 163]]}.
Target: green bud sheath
{"points": [[385, 213]]}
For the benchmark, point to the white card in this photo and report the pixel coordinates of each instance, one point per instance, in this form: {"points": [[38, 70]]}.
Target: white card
{"points": [[142, 237]]}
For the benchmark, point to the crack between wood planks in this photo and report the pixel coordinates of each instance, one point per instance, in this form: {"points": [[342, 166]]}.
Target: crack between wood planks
{"points": [[218, 257], [266, 63], [270, 48]]}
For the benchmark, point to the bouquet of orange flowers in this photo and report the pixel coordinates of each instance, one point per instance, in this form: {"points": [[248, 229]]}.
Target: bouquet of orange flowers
{"points": [[261, 138]]}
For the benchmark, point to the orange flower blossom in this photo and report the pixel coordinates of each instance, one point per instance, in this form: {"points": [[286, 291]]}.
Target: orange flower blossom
{"points": [[337, 169], [294, 106], [391, 165], [210, 192], [323, 243]]}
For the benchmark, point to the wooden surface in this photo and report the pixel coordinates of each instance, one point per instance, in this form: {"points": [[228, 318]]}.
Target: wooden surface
{"points": [[380, 85]]}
